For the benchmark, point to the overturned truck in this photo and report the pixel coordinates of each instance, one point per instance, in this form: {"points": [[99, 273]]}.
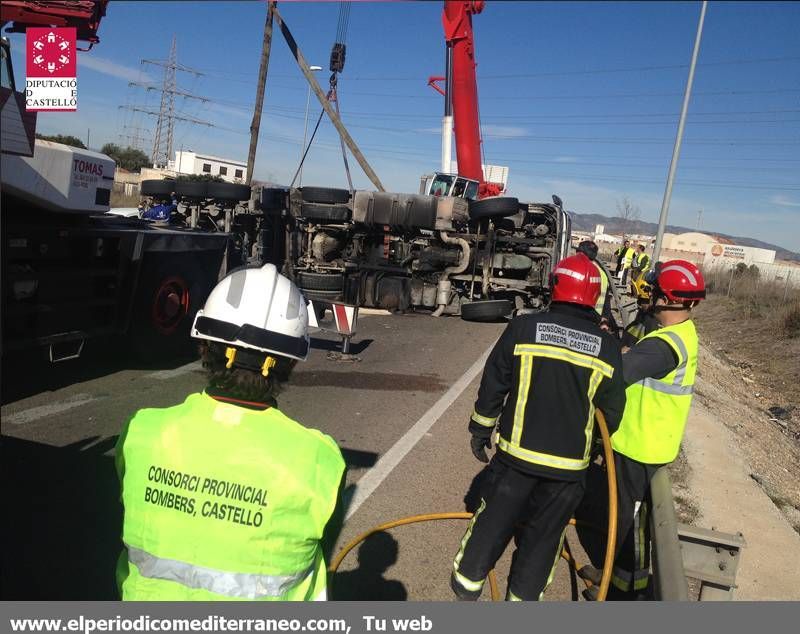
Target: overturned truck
{"points": [[481, 259]]}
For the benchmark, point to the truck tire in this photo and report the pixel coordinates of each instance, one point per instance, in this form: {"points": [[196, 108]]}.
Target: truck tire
{"points": [[228, 191], [500, 206], [192, 189], [328, 213], [157, 187], [171, 291], [272, 199], [486, 310], [326, 195], [320, 281]]}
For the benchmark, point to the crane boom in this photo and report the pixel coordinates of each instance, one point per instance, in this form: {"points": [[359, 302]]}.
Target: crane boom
{"points": [[462, 92], [457, 22]]}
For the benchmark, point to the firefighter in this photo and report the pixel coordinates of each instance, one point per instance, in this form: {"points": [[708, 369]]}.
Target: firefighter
{"points": [[645, 320], [603, 305], [225, 497], [540, 386], [659, 372]]}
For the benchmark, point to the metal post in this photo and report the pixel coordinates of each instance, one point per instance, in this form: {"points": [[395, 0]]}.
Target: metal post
{"points": [[786, 286], [673, 165], [321, 96], [255, 126], [730, 282]]}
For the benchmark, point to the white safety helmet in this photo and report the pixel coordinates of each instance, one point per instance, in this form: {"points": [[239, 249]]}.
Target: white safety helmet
{"points": [[257, 309]]}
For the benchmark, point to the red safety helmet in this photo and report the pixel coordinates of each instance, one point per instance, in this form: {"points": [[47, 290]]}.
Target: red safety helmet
{"points": [[680, 281], [576, 280]]}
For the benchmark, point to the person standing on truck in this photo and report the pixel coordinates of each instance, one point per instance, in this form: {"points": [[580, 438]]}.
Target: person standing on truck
{"points": [[226, 497], [659, 371], [540, 386]]}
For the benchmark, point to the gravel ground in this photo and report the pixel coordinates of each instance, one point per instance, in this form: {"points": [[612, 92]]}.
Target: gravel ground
{"points": [[746, 368]]}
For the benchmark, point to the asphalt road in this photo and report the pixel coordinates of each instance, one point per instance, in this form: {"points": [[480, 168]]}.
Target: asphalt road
{"points": [[398, 410]]}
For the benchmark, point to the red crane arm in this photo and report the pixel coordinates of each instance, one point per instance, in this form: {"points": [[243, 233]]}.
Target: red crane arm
{"points": [[84, 15], [457, 22]]}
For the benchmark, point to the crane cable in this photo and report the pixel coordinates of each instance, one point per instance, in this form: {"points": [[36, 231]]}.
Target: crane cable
{"points": [[336, 66]]}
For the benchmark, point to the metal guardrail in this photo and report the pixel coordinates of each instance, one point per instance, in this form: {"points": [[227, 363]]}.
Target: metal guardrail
{"points": [[669, 576], [681, 551]]}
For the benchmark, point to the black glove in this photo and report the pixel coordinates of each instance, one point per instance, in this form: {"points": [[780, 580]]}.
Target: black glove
{"points": [[479, 446]]}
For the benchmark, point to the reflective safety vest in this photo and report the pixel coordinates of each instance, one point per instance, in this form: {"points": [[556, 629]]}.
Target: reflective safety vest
{"points": [[627, 258], [657, 409], [643, 263], [224, 502], [601, 300]]}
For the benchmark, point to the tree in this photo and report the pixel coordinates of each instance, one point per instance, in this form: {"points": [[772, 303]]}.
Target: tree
{"points": [[628, 215], [127, 158], [66, 139]]}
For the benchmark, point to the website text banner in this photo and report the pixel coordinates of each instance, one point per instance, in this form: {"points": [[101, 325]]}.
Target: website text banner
{"points": [[363, 617]]}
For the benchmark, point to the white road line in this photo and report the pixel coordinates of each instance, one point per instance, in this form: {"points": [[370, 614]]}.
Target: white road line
{"points": [[42, 411], [367, 484], [171, 374]]}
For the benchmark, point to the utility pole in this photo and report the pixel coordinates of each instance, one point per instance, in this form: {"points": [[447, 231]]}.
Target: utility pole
{"points": [[165, 125], [699, 218], [255, 126], [676, 151], [323, 100]]}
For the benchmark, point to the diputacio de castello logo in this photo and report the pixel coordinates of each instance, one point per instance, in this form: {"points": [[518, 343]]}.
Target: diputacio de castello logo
{"points": [[51, 82]]}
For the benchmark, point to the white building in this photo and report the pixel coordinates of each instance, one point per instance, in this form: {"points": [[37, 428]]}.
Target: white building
{"points": [[187, 162]]}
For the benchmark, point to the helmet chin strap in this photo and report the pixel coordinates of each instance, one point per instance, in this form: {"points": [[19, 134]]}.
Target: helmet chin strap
{"points": [[662, 308]]}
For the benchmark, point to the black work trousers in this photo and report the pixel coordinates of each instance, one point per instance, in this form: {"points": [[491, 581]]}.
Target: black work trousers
{"points": [[631, 571], [533, 509]]}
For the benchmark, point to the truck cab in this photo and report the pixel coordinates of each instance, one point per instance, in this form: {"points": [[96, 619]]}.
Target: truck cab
{"points": [[443, 184]]}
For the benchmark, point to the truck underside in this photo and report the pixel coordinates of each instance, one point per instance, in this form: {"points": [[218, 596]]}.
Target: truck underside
{"points": [[481, 259]]}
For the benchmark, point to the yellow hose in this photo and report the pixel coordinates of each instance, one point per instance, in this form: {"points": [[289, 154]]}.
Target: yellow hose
{"points": [[493, 589]]}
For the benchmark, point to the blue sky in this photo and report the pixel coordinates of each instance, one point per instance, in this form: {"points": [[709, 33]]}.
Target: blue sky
{"points": [[578, 99]]}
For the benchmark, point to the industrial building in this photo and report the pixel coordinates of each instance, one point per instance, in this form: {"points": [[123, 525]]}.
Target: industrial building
{"points": [[188, 162]]}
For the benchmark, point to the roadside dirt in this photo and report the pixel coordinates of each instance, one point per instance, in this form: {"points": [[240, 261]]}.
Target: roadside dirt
{"points": [[749, 378]]}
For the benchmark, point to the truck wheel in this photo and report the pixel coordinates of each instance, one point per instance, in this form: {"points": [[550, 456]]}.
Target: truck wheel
{"points": [[330, 213], [228, 191], [320, 281], [487, 311], [192, 189], [157, 187], [326, 195], [272, 199], [501, 206], [171, 291]]}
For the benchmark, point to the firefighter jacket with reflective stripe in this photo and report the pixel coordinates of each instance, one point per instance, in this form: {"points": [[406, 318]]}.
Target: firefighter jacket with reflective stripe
{"points": [[657, 409], [600, 304], [543, 380], [224, 502]]}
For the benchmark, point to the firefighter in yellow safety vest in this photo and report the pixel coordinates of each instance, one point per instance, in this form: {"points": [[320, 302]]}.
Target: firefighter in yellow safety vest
{"points": [[225, 496], [659, 371]]}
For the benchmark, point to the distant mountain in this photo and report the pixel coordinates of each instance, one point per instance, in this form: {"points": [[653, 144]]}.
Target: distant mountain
{"points": [[587, 222]]}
